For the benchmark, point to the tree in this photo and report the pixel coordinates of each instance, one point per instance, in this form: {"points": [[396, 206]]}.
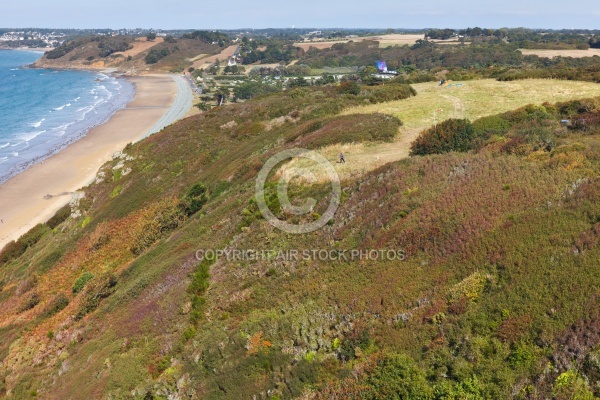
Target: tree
{"points": [[368, 71], [151, 36]]}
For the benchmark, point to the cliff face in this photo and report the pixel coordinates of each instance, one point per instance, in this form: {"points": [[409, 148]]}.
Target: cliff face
{"points": [[76, 64]]}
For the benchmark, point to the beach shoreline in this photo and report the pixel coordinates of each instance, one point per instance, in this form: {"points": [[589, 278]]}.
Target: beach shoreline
{"points": [[81, 127], [34, 195]]}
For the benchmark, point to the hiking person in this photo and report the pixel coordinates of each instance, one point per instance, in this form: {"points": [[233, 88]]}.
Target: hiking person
{"points": [[342, 159]]}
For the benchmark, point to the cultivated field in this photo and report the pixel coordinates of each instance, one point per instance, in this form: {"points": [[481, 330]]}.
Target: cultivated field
{"points": [[561, 53], [384, 41]]}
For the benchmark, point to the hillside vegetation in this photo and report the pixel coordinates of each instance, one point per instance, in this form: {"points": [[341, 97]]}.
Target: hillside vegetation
{"points": [[493, 292], [133, 55]]}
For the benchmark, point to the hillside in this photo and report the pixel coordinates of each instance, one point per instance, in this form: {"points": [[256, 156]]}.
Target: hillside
{"points": [[487, 286], [128, 54]]}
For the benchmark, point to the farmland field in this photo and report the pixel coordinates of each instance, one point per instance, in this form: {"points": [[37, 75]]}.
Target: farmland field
{"points": [[561, 53]]}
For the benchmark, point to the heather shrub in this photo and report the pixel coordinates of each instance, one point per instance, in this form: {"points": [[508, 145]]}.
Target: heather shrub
{"points": [[60, 217], [160, 219], [450, 135], [195, 198], [94, 294], [492, 125], [30, 301], [56, 305], [354, 128], [380, 94], [350, 87]]}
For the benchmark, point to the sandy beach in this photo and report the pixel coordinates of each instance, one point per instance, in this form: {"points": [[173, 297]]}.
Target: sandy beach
{"points": [[159, 101]]}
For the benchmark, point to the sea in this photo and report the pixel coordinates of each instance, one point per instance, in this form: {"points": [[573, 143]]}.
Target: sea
{"points": [[42, 110]]}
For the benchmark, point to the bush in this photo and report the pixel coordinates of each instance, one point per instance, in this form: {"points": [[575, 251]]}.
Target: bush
{"points": [[162, 218], [248, 90], [355, 128], [56, 305], [350, 87], [381, 94], [81, 282], [397, 377], [61, 216], [195, 198], [94, 294], [63, 49], [492, 125], [450, 135], [156, 55], [14, 250], [109, 45], [29, 302]]}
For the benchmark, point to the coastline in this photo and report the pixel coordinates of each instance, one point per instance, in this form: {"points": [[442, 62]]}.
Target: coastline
{"points": [[34, 195], [81, 127]]}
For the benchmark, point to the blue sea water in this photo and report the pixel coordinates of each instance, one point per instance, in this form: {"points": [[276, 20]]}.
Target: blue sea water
{"points": [[42, 111]]}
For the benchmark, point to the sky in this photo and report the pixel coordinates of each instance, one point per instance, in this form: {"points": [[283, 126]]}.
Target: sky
{"points": [[234, 14]]}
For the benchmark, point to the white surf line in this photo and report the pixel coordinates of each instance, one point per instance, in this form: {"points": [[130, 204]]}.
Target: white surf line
{"points": [[179, 109]]}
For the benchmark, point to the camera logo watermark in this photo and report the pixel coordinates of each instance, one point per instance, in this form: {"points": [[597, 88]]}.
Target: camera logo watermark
{"points": [[282, 190]]}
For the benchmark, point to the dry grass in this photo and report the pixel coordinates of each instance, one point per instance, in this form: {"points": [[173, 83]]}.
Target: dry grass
{"points": [[561, 53], [208, 61], [473, 100], [384, 41]]}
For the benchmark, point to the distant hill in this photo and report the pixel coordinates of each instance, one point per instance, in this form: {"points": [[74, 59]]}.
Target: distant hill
{"points": [[129, 54]]}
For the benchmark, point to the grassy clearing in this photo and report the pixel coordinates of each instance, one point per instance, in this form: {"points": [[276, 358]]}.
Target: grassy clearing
{"points": [[478, 98], [561, 53], [473, 100]]}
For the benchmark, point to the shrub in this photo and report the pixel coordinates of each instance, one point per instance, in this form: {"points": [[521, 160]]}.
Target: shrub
{"points": [[162, 218], [385, 93], [450, 135], [492, 125], [60, 217], [94, 294], [350, 87], [109, 45], [81, 282], [195, 198], [14, 250], [29, 302], [355, 128], [63, 49], [397, 377], [56, 305], [156, 55]]}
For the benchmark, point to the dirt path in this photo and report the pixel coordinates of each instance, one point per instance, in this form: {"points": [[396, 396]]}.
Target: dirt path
{"points": [[459, 106]]}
